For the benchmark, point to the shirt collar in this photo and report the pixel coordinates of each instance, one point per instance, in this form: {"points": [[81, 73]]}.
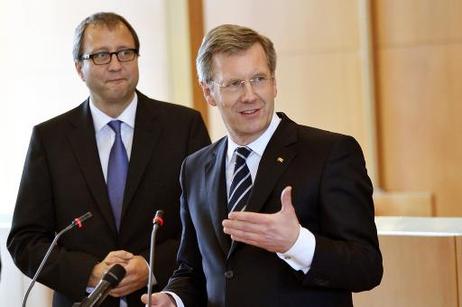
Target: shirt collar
{"points": [[101, 119], [259, 145]]}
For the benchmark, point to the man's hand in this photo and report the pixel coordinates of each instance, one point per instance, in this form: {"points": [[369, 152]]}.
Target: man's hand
{"points": [[275, 232], [136, 277], [159, 300], [120, 257]]}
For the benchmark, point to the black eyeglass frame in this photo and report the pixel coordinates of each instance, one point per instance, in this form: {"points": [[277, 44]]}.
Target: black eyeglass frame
{"points": [[118, 54]]}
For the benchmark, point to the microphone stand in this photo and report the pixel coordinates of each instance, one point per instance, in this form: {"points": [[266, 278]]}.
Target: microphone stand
{"points": [[158, 221], [77, 222]]}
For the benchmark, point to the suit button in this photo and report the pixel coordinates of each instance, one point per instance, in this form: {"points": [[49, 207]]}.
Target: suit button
{"points": [[229, 274], [322, 282]]}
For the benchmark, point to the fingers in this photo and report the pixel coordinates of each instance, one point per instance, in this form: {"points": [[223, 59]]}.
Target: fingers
{"points": [[97, 273], [275, 232], [158, 299], [119, 256], [256, 222], [121, 291], [253, 217], [136, 272], [136, 277]]}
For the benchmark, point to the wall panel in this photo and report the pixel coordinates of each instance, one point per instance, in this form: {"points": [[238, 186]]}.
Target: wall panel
{"points": [[419, 64]]}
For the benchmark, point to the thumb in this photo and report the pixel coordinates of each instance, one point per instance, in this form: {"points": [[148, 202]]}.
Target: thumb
{"points": [[123, 254], [144, 298], [286, 199]]}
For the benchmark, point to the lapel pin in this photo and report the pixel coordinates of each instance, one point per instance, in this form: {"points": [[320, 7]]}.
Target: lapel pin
{"points": [[280, 160]]}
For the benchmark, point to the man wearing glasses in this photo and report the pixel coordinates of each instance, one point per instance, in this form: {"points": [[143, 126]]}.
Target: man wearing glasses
{"points": [[117, 155], [275, 213]]}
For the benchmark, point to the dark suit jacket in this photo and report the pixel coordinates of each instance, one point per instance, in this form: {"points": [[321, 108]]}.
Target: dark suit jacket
{"points": [[332, 196], [62, 179]]}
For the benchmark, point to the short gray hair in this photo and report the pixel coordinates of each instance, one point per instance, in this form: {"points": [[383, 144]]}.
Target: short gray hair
{"points": [[110, 20], [230, 39]]}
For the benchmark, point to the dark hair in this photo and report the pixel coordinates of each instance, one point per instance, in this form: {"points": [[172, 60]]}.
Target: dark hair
{"points": [[230, 39], [110, 20]]}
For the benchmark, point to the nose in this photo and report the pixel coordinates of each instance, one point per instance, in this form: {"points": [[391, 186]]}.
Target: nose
{"points": [[248, 92], [114, 64]]}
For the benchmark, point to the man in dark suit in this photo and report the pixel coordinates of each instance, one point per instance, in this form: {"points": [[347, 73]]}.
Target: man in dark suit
{"points": [[70, 158], [274, 214]]}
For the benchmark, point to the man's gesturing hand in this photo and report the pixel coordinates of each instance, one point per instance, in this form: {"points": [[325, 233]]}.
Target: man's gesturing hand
{"points": [[275, 232]]}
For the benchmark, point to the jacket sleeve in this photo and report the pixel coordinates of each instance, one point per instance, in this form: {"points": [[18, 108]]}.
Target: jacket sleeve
{"points": [[347, 254], [199, 137], [188, 280], [34, 227]]}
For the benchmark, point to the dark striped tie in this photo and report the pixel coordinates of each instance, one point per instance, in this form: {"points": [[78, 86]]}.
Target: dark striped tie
{"points": [[117, 172], [241, 184]]}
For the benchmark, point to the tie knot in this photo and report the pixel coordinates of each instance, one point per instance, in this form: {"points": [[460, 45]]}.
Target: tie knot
{"points": [[243, 152], [115, 125]]}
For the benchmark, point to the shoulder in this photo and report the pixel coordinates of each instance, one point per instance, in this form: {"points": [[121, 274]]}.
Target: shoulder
{"points": [[208, 153], [211, 150], [63, 121], [167, 108], [312, 135], [314, 139], [323, 136]]}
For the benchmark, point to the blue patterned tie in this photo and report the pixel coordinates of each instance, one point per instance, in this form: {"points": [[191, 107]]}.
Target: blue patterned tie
{"points": [[241, 185], [117, 172]]}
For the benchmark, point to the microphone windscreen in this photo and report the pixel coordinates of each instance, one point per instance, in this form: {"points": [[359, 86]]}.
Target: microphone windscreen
{"points": [[115, 274]]}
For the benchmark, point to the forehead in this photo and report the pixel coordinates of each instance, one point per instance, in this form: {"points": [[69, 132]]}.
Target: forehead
{"points": [[240, 65], [100, 36]]}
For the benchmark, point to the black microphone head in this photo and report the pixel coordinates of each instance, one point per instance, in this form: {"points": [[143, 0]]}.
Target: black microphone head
{"points": [[115, 274]]}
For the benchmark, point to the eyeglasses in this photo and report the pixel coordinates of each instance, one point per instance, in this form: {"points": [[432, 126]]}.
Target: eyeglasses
{"points": [[257, 82], [105, 57]]}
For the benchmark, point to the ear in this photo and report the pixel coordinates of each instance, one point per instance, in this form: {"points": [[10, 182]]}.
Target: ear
{"points": [[207, 90], [275, 88], [78, 68]]}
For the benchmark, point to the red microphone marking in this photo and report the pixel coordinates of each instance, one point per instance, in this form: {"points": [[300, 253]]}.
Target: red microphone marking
{"points": [[78, 222], [159, 220]]}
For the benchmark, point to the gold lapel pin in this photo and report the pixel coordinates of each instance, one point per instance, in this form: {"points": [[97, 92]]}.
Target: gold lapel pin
{"points": [[280, 160]]}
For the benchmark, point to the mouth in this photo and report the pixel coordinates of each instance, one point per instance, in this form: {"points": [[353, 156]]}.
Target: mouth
{"points": [[249, 112], [118, 80]]}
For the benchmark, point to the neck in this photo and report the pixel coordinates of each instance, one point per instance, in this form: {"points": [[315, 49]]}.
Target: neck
{"points": [[112, 108], [243, 140]]}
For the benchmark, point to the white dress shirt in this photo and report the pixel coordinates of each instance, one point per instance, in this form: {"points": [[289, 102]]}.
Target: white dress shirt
{"points": [[105, 138]]}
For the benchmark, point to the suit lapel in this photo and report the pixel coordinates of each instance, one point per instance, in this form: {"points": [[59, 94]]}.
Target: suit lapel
{"points": [[83, 142], [146, 135], [216, 187], [274, 162]]}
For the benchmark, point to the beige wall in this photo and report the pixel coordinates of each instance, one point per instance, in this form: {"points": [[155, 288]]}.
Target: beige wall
{"points": [[405, 109], [423, 273], [419, 71]]}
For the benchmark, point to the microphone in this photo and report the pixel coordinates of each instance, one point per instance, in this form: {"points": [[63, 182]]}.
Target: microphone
{"points": [[110, 280], [158, 221], [76, 222]]}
